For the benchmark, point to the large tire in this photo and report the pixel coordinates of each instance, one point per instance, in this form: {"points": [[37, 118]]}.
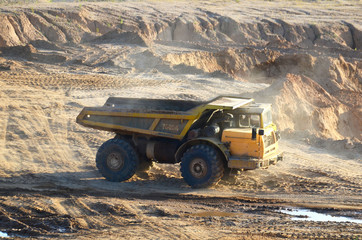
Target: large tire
{"points": [[117, 160], [201, 166]]}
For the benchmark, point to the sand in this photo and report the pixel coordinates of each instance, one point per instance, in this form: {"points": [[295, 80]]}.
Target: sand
{"points": [[56, 58]]}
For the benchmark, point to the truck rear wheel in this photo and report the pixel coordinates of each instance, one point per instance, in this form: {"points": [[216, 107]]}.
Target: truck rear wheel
{"points": [[201, 166], [117, 160]]}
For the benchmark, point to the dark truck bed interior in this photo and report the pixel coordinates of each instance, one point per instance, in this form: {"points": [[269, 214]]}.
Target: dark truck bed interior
{"points": [[152, 104]]}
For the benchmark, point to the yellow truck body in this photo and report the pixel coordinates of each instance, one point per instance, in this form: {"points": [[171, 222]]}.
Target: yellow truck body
{"points": [[237, 129]]}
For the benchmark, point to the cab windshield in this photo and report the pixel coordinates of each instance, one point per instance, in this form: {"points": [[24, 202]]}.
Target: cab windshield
{"points": [[267, 117]]}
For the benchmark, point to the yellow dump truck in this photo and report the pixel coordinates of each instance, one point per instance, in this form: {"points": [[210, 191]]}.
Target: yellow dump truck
{"points": [[210, 139]]}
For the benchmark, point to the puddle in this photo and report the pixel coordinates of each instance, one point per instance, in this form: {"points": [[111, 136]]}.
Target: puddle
{"points": [[309, 215], [62, 230], [3, 235]]}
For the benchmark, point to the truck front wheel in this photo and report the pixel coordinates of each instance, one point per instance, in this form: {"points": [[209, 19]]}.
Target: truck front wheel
{"points": [[201, 166], [117, 160]]}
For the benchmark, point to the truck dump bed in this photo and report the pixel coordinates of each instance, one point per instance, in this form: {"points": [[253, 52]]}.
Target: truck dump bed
{"points": [[155, 117]]}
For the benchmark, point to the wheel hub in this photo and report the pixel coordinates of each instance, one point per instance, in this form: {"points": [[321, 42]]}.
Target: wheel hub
{"points": [[198, 168], [115, 161]]}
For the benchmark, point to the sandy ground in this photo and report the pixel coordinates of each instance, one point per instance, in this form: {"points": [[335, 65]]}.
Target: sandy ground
{"points": [[80, 54]]}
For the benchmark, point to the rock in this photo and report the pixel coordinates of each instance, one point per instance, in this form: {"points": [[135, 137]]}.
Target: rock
{"points": [[349, 144]]}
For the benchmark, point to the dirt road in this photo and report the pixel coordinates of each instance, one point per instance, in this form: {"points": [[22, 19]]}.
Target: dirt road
{"points": [[50, 187]]}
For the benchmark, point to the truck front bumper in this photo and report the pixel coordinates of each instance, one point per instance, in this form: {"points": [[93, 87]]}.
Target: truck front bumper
{"points": [[253, 163]]}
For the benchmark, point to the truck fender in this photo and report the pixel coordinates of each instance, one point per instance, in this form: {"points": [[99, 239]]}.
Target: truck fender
{"points": [[218, 145]]}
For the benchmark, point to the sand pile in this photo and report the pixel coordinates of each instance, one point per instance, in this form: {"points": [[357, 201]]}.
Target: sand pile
{"points": [[234, 62], [315, 96], [306, 107]]}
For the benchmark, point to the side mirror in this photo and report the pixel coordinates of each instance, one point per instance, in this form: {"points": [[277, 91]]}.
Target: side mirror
{"points": [[253, 134], [261, 132], [277, 135]]}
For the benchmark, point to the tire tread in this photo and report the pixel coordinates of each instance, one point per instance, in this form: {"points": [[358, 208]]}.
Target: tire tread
{"points": [[132, 164], [217, 167]]}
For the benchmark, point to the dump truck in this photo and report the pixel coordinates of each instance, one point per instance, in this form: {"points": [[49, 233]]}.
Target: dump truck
{"points": [[210, 139]]}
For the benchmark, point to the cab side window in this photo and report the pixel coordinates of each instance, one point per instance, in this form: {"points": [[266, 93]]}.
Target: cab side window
{"points": [[244, 120], [249, 120]]}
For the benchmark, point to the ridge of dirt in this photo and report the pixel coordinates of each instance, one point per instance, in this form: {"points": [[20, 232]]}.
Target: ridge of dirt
{"points": [[84, 22]]}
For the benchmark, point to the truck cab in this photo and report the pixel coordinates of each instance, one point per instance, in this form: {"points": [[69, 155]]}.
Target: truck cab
{"points": [[252, 138]]}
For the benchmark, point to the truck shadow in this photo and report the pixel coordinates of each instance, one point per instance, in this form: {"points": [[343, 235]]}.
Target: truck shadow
{"points": [[91, 183]]}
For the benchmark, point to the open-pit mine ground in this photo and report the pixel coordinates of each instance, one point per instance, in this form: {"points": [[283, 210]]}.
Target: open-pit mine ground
{"points": [[304, 57]]}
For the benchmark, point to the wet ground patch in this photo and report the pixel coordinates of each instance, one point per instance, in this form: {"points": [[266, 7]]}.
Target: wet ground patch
{"points": [[303, 214]]}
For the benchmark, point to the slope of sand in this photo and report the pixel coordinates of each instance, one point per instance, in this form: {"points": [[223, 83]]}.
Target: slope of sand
{"points": [[56, 58]]}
